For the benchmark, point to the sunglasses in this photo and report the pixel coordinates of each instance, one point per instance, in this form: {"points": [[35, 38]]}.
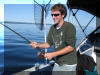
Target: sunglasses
{"points": [[55, 15]]}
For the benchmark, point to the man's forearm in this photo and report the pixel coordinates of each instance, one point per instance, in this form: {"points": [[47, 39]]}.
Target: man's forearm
{"points": [[65, 50], [43, 45]]}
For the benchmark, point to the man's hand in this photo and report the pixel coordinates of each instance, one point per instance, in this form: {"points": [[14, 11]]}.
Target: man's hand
{"points": [[49, 55], [34, 44]]}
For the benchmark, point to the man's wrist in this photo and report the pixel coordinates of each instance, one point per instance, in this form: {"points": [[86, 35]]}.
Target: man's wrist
{"points": [[55, 54], [37, 45]]}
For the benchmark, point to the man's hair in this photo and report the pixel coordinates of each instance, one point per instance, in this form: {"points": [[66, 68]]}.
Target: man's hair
{"points": [[61, 8]]}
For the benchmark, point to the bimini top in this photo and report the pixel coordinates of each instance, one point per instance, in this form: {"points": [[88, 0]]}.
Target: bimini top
{"points": [[91, 6]]}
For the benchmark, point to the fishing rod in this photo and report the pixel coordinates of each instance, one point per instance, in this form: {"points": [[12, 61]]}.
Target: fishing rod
{"points": [[41, 54]]}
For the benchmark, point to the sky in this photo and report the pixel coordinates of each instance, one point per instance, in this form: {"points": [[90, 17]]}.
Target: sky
{"points": [[30, 1], [22, 10], [11, 3], [1, 12], [1, 15]]}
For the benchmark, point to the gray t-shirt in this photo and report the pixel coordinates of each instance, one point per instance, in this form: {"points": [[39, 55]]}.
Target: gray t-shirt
{"points": [[62, 37]]}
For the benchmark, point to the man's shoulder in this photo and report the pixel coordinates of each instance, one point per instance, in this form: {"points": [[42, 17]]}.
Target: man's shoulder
{"points": [[53, 26], [68, 25]]}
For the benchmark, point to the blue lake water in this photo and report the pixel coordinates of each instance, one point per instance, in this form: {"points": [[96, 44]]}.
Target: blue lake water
{"points": [[18, 54]]}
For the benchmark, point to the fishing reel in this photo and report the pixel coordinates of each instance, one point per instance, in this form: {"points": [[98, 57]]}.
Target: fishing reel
{"points": [[41, 54]]}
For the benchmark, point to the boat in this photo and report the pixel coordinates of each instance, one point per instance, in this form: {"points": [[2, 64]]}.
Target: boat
{"points": [[90, 45]]}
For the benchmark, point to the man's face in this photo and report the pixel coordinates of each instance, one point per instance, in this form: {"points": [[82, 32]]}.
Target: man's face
{"points": [[57, 17]]}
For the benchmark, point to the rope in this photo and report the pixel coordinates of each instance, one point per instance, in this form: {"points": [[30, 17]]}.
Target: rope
{"points": [[79, 23], [88, 23]]}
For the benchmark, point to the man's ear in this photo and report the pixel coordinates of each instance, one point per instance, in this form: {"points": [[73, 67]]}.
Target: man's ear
{"points": [[63, 15]]}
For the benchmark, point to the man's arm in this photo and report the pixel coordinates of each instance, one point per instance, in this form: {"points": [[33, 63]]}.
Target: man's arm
{"points": [[63, 51], [42, 45]]}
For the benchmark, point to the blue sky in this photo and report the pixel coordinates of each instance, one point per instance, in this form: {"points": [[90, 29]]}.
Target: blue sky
{"points": [[1, 12], [23, 10], [13, 10], [30, 1]]}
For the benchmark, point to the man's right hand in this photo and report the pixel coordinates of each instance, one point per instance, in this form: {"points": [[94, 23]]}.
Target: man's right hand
{"points": [[34, 44]]}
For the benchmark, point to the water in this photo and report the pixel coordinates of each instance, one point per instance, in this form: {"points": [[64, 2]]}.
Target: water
{"points": [[18, 54], [1, 49]]}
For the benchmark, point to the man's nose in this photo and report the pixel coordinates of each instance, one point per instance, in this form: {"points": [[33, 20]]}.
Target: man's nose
{"points": [[53, 16]]}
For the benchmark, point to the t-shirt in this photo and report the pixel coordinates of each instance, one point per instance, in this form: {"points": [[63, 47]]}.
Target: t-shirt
{"points": [[62, 37]]}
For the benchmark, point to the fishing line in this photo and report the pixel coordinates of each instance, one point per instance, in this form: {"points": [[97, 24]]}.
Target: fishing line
{"points": [[20, 36]]}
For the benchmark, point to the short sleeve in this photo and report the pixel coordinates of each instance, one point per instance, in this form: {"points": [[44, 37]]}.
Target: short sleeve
{"points": [[71, 35], [49, 38]]}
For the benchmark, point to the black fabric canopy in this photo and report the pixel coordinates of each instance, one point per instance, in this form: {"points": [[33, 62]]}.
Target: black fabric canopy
{"points": [[91, 6]]}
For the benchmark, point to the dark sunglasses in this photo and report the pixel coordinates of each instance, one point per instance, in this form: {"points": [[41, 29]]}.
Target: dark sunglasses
{"points": [[55, 15]]}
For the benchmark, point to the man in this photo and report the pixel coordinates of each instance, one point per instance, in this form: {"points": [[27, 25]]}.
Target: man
{"points": [[63, 36]]}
